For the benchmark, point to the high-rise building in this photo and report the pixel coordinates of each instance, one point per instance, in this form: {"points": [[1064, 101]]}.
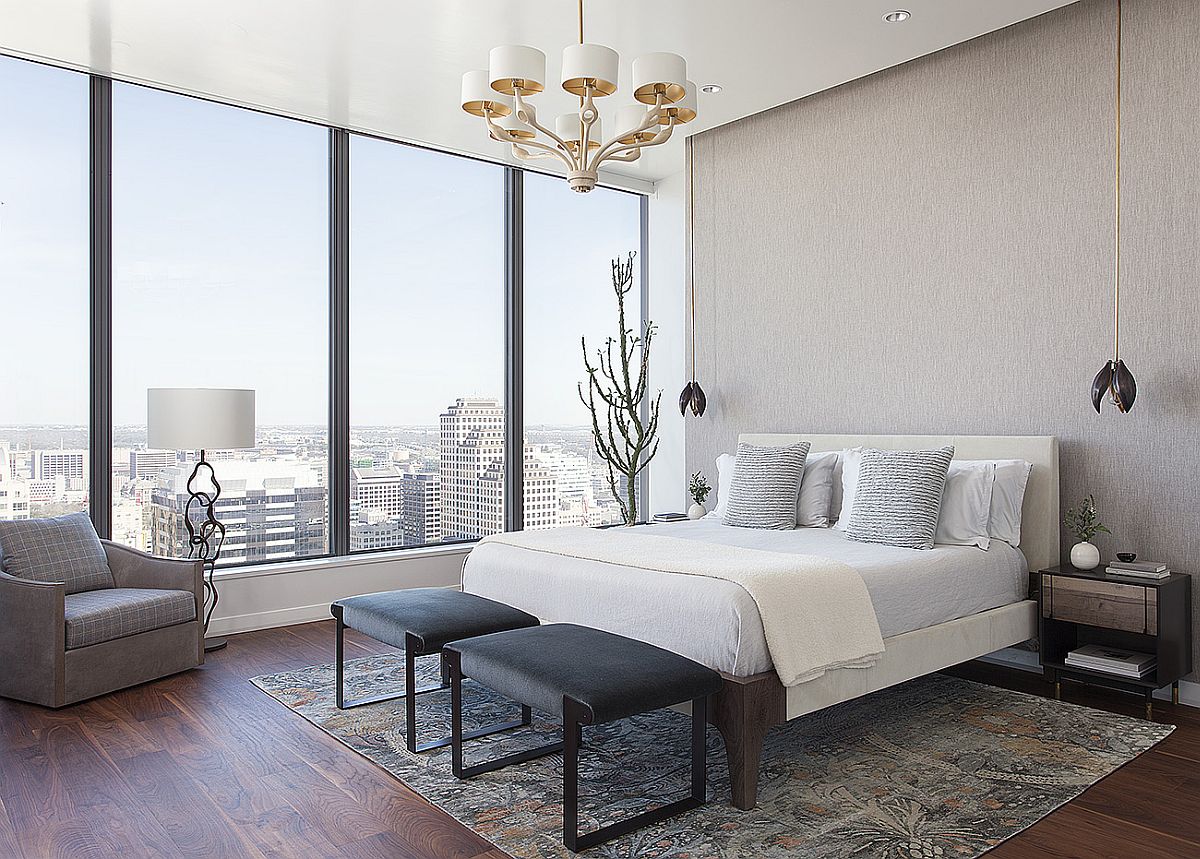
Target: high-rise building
{"points": [[373, 530], [422, 516], [378, 488], [148, 463], [472, 446], [541, 493], [14, 493], [272, 510], [71, 464]]}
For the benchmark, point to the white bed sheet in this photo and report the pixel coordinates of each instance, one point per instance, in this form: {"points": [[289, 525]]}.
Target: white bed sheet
{"points": [[715, 621]]}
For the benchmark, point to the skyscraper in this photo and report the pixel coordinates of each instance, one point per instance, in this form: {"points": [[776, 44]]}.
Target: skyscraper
{"points": [[471, 446], [71, 464], [422, 516]]}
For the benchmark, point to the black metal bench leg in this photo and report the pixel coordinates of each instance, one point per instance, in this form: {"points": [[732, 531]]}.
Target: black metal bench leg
{"points": [[457, 735], [576, 715]]}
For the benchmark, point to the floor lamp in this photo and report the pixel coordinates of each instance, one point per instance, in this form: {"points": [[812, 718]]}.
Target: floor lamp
{"points": [[201, 419]]}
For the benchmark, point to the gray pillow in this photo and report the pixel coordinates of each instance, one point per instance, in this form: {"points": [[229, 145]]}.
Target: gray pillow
{"points": [[63, 549], [765, 486], [899, 496]]}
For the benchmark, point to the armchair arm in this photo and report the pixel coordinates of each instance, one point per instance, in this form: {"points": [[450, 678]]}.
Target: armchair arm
{"points": [[134, 569], [33, 639]]}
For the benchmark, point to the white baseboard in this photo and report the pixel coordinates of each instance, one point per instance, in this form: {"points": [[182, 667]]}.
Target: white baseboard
{"points": [[232, 625]]}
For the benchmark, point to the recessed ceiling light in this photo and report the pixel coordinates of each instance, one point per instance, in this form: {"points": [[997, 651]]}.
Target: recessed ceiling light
{"points": [[711, 88], [897, 16]]}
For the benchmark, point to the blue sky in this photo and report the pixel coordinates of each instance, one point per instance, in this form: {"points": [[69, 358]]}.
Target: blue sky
{"points": [[220, 263]]}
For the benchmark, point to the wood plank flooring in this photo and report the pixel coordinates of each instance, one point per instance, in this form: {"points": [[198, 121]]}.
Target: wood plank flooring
{"points": [[203, 764]]}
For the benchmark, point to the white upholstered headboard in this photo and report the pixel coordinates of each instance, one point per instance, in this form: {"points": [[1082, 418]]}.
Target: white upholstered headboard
{"points": [[1039, 514]]}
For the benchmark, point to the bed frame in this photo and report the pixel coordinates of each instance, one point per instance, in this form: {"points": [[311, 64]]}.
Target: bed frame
{"points": [[747, 707]]}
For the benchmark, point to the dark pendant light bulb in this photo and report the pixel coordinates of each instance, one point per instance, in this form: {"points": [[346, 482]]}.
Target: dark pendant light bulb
{"points": [[685, 398], [1114, 378]]}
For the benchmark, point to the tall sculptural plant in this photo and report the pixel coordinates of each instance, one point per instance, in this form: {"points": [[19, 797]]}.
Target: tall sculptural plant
{"points": [[616, 386]]}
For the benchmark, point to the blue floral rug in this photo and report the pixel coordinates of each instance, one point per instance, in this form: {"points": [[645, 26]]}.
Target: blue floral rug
{"points": [[938, 767]]}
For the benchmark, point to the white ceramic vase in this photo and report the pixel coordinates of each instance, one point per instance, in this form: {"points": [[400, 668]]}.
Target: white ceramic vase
{"points": [[1085, 556], [696, 511]]}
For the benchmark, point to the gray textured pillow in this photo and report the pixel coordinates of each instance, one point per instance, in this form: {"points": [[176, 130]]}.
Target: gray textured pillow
{"points": [[899, 496], [765, 486], [63, 549]]}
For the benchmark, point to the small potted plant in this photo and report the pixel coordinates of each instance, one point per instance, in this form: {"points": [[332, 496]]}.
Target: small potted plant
{"points": [[698, 489], [1084, 523]]}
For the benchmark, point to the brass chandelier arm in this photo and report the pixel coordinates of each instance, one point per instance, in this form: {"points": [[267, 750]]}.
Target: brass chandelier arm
{"points": [[648, 121], [612, 150]]}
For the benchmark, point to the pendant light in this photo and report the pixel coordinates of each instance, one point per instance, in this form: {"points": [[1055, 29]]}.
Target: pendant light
{"points": [[692, 395], [1114, 377]]}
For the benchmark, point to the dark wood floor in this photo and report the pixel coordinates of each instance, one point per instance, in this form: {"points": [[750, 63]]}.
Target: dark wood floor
{"points": [[203, 764]]}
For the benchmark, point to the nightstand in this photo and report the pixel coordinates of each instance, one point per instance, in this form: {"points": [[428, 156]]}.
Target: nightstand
{"points": [[1078, 607]]}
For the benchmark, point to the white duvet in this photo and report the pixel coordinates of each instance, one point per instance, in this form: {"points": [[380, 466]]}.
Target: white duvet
{"points": [[716, 622], [816, 614]]}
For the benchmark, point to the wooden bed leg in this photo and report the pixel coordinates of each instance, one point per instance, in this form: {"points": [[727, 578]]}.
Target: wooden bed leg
{"points": [[743, 711]]}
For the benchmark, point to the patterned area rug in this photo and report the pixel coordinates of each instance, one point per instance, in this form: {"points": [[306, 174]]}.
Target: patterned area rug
{"points": [[938, 767]]}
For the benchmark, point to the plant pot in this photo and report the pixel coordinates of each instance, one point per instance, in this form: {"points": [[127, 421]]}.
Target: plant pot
{"points": [[1085, 556], [696, 511]]}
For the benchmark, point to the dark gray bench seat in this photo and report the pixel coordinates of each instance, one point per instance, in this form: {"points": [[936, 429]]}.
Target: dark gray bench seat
{"points": [[421, 621], [587, 677]]}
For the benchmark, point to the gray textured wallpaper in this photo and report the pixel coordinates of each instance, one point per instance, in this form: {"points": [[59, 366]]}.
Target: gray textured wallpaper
{"points": [[930, 250]]}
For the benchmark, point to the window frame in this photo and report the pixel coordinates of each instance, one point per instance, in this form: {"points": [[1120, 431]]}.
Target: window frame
{"points": [[100, 291]]}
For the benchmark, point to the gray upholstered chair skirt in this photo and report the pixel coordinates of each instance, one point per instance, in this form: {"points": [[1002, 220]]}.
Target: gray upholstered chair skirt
{"points": [[58, 648]]}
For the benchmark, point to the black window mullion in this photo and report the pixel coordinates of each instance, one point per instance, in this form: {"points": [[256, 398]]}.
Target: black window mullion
{"points": [[100, 301], [339, 342], [514, 349]]}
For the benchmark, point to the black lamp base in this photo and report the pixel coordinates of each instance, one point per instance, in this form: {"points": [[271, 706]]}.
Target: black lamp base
{"points": [[211, 644]]}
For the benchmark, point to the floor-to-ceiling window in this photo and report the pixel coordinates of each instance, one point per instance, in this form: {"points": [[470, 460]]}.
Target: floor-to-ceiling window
{"points": [[228, 264], [571, 241], [220, 279], [426, 346], [44, 351]]}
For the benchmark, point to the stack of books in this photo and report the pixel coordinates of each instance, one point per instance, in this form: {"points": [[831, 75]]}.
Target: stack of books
{"points": [[1113, 660], [1138, 569], [670, 517]]}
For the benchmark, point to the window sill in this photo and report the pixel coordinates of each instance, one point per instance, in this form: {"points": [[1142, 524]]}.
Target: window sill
{"points": [[342, 561]]}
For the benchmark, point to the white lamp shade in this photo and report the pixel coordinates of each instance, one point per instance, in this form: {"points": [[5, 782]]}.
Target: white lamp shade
{"points": [[630, 117], [199, 418], [681, 111], [478, 97], [659, 72], [515, 127], [569, 128], [592, 66], [511, 66]]}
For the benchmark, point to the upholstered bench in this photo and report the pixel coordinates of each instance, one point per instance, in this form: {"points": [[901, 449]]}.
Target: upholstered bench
{"points": [[421, 621], [587, 677]]}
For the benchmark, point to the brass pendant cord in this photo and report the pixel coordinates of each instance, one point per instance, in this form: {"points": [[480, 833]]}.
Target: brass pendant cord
{"points": [[1117, 273], [691, 204]]}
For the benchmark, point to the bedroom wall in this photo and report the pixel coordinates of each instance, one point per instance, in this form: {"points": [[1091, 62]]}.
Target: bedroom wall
{"points": [[929, 250]]}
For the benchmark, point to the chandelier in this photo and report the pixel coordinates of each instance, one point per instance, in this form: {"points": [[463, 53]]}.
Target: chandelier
{"points": [[666, 98]]}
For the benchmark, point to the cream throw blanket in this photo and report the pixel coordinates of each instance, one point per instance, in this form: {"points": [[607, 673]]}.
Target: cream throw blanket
{"points": [[816, 612]]}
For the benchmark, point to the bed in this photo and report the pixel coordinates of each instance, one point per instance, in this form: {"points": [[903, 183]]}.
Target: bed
{"points": [[935, 608]]}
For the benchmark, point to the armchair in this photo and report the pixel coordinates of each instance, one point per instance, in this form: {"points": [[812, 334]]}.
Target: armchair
{"points": [[58, 648]]}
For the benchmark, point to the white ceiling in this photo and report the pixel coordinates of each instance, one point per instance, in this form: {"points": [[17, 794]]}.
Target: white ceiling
{"points": [[393, 66]]}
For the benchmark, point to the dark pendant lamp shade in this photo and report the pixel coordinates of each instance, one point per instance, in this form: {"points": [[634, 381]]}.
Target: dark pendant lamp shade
{"points": [[692, 396], [1114, 378]]}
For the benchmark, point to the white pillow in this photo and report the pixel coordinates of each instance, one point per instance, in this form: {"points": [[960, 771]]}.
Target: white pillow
{"points": [[724, 481], [1012, 476], [816, 490], [843, 500], [966, 504]]}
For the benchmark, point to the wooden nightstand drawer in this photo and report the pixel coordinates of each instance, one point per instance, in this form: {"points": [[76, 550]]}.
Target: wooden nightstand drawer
{"points": [[1107, 604]]}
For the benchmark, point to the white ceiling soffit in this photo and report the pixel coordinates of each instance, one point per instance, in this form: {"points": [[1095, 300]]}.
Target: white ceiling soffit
{"points": [[393, 67]]}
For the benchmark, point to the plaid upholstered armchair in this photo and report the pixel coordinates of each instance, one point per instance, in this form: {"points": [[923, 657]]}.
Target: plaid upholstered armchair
{"points": [[81, 616]]}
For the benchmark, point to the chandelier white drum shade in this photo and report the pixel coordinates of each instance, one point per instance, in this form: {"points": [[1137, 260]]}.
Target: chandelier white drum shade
{"points": [[199, 418], [664, 98]]}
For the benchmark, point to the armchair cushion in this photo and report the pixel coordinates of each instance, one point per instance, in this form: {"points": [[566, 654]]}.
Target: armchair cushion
{"points": [[103, 615], [64, 549]]}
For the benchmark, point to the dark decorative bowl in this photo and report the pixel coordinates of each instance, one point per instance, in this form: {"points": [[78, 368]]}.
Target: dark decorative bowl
{"points": [[1127, 557]]}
